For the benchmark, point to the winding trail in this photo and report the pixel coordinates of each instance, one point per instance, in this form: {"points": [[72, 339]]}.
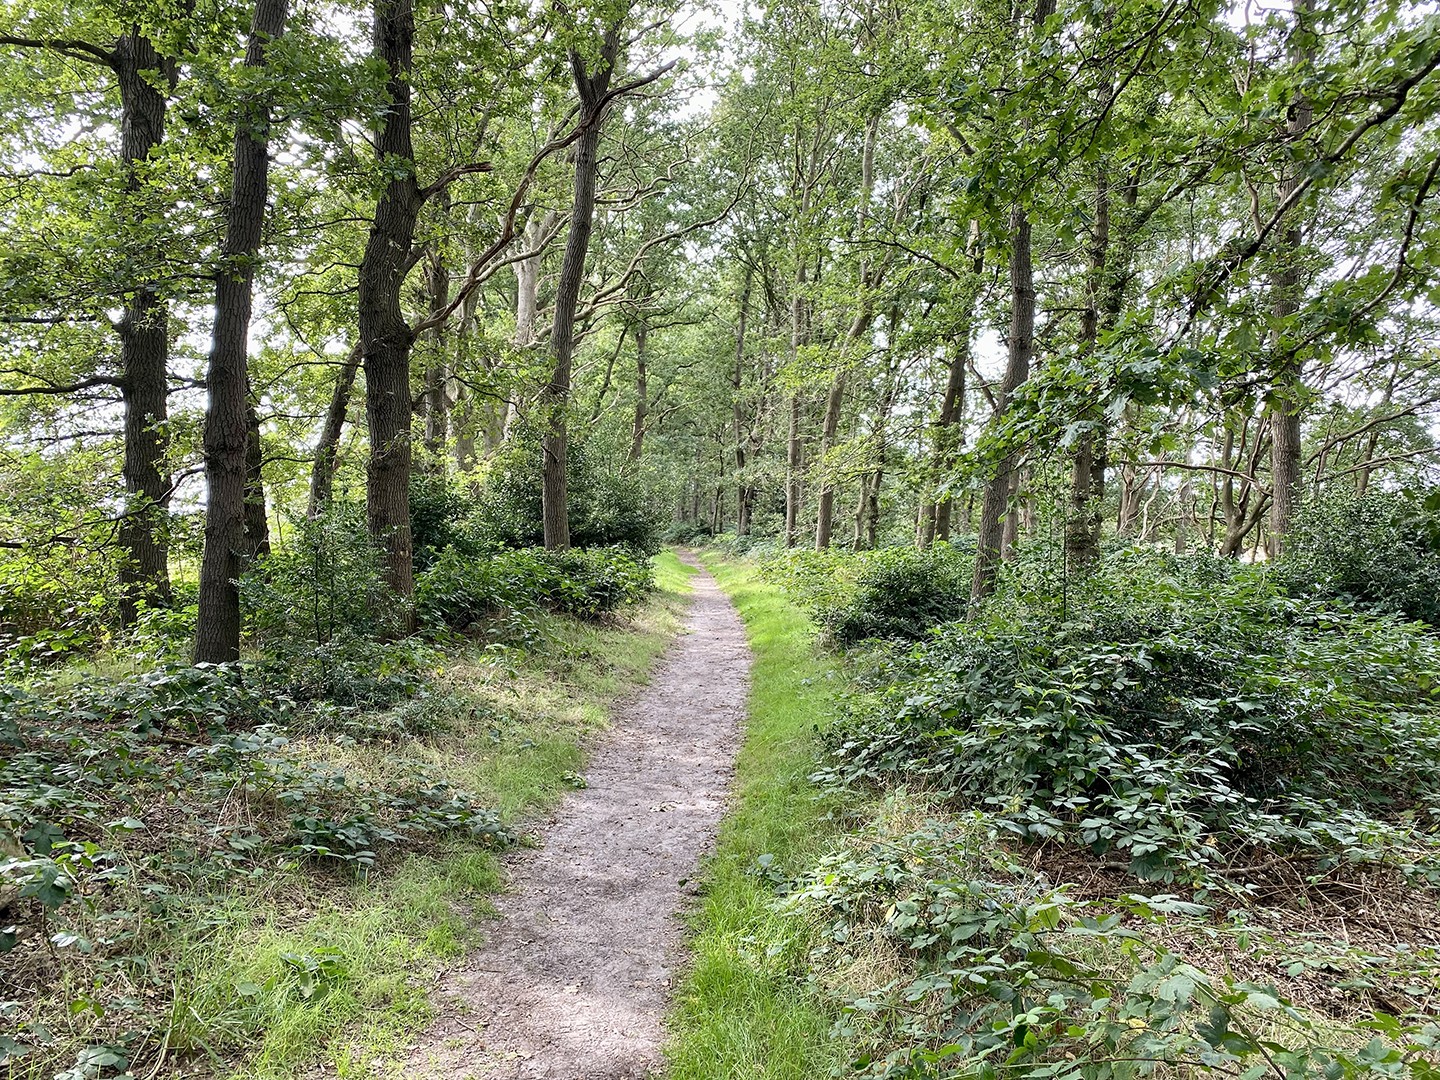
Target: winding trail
{"points": [[574, 980]]}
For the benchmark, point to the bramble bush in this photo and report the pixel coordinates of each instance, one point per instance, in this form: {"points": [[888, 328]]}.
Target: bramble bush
{"points": [[970, 966], [1177, 715], [896, 594], [1381, 551], [460, 591]]}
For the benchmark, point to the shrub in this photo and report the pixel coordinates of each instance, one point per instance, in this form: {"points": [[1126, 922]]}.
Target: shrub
{"points": [[687, 532], [460, 592], [322, 584], [898, 593], [607, 507], [1177, 724], [1381, 551]]}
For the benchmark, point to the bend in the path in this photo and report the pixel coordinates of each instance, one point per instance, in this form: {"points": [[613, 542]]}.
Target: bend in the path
{"points": [[575, 978]]}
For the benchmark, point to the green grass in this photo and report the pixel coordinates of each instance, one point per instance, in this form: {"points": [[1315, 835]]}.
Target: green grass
{"points": [[672, 575], [381, 936], [266, 977], [744, 1008]]}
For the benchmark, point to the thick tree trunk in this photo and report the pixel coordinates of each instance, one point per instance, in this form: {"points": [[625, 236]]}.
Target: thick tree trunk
{"points": [[591, 89], [144, 344], [322, 473], [385, 335], [229, 416]]}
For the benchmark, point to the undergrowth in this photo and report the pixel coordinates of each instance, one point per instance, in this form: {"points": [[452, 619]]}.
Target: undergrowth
{"points": [[226, 867], [1170, 818]]}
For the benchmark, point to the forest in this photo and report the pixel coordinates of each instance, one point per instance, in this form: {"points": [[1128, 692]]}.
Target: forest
{"points": [[1050, 385]]}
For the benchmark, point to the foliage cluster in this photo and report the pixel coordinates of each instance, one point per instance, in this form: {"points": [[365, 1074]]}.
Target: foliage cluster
{"points": [[607, 507], [1179, 717], [1380, 550], [895, 593], [460, 592], [958, 961]]}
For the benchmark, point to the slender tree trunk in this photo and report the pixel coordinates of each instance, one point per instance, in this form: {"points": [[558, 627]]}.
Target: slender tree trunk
{"points": [[322, 473], [1082, 532], [793, 467], [1289, 389], [385, 335], [144, 343], [232, 438], [642, 391], [591, 89], [257, 521], [990, 542], [737, 380], [825, 514], [437, 373]]}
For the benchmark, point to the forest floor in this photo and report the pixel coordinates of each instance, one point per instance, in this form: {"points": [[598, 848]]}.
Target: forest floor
{"points": [[575, 978]]}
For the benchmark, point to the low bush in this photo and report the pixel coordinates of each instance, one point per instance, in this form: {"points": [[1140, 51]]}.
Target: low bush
{"points": [[460, 592], [607, 507], [898, 594], [1180, 723], [1381, 551], [954, 960]]}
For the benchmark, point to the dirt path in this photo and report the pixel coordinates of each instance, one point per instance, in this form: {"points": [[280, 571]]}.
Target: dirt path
{"points": [[574, 979]]}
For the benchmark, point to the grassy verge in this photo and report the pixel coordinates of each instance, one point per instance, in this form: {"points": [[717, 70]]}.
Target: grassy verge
{"points": [[421, 913], [742, 1010], [264, 975]]}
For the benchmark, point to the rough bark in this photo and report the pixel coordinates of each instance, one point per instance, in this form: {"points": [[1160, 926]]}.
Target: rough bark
{"points": [[144, 79], [322, 473], [591, 86], [385, 334], [229, 413]]}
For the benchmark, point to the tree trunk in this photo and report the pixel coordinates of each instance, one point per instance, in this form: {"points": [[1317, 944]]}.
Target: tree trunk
{"points": [[990, 542], [144, 334], [793, 466], [1087, 474], [642, 391], [1288, 392], [437, 374], [257, 521], [385, 335], [824, 521], [591, 89], [229, 414], [737, 380], [322, 473]]}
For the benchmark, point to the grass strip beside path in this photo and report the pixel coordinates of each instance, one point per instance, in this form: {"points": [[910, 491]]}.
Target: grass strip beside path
{"points": [[745, 1008]]}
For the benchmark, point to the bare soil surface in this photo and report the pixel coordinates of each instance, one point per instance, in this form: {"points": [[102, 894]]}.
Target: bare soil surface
{"points": [[575, 978]]}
